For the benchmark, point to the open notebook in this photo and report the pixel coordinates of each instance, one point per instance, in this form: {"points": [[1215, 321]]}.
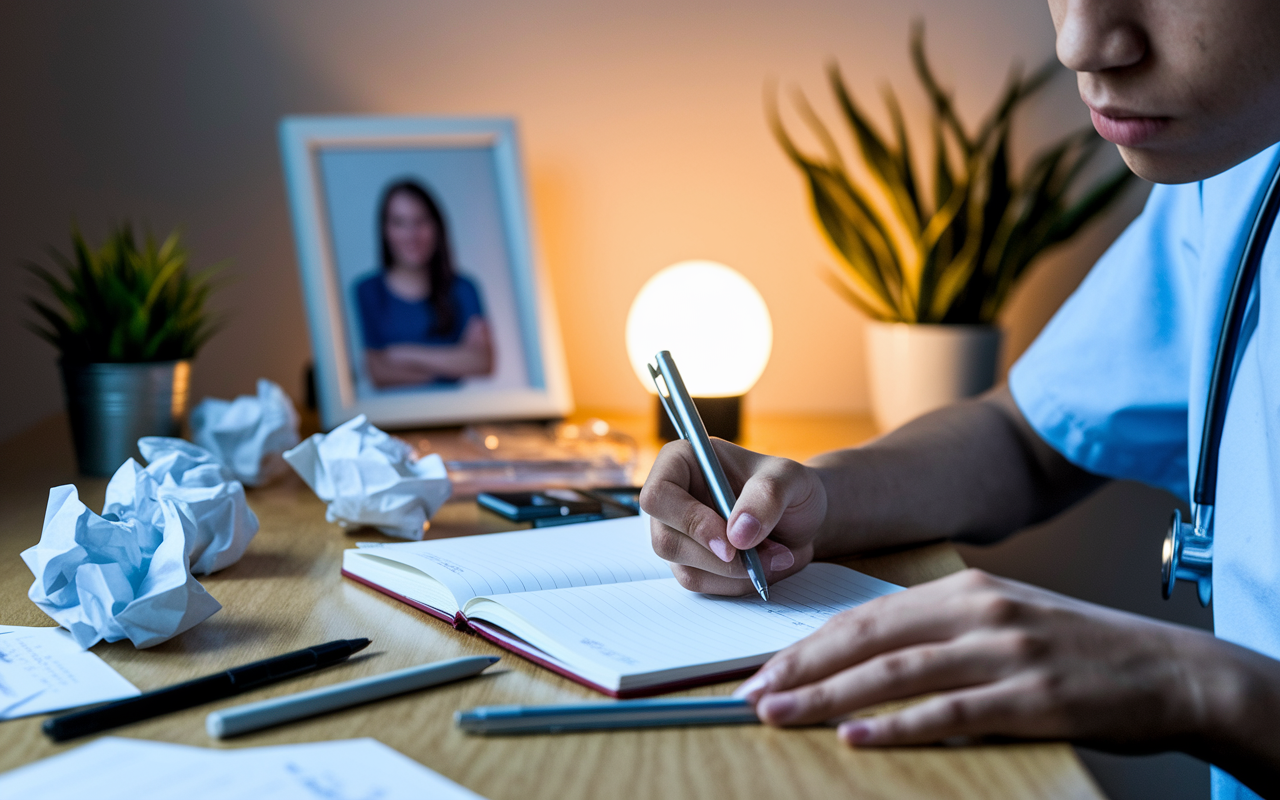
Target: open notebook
{"points": [[595, 604]]}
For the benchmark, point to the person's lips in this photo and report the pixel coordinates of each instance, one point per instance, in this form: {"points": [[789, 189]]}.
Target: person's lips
{"points": [[1126, 129]]}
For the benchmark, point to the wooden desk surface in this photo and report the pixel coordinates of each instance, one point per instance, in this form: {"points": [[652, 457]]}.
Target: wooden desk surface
{"points": [[286, 593]]}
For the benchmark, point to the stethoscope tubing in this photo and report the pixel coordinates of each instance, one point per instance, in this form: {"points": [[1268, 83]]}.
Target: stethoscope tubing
{"points": [[1229, 341], [1188, 548]]}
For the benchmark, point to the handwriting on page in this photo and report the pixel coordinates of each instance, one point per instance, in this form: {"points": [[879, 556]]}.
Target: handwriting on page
{"points": [[612, 551], [607, 652], [801, 618], [50, 661], [17, 683]]}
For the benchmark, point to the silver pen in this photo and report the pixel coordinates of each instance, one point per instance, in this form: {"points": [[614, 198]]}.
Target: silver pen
{"points": [[658, 712], [684, 416]]}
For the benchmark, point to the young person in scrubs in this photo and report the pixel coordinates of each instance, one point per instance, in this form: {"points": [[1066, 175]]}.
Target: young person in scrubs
{"points": [[422, 323], [1115, 387]]}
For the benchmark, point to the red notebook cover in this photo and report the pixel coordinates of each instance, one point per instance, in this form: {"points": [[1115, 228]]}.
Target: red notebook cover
{"points": [[520, 647]]}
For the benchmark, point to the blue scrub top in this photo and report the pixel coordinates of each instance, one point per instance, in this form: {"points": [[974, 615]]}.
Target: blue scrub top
{"points": [[1117, 382]]}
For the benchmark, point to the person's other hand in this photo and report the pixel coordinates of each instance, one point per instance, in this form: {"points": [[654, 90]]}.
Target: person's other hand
{"points": [[777, 498], [1000, 658]]}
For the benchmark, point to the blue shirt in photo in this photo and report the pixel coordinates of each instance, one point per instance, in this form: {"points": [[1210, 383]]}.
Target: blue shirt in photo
{"points": [[385, 319], [1118, 382]]}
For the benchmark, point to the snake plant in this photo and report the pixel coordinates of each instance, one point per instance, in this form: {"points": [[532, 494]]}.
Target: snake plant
{"points": [[950, 256], [124, 303]]}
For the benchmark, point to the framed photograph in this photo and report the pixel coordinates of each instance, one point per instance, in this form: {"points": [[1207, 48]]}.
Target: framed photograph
{"points": [[426, 302]]}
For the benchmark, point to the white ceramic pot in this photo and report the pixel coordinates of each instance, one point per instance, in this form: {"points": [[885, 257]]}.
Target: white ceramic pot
{"points": [[917, 368]]}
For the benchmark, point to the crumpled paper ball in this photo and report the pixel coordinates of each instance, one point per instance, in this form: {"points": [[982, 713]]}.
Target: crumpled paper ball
{"points": [[370, 478], [248, 434], [117, 579], [179, 470], [130, 573]]}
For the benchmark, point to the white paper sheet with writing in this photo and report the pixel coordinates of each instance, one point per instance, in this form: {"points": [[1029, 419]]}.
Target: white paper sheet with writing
{"points": [[609, 551], [661, 631], [17, 684], [66, 676], [130, 769]]}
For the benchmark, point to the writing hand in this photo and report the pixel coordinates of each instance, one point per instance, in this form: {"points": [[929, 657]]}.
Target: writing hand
{"points": [[777, 498]]}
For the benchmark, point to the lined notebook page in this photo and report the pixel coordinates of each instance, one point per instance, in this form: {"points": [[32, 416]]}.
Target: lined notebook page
{"points": [[608, 551], [659, 627]]}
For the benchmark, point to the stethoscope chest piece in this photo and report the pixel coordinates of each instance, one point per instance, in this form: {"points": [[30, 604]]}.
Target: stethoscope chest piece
{"points": [[1188, 554]]}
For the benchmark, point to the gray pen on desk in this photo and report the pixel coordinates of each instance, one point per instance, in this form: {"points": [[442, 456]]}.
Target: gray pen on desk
{"points": [[278, 710], [688, 423]]}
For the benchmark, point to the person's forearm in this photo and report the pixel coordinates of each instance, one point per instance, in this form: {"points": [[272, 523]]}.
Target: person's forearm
{"points": [[454, 361], [385, 372], [974, 471], [472, 355]]}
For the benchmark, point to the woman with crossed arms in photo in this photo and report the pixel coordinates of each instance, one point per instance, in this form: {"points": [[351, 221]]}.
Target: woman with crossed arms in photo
{"points": [[423, 324], [1114, 387]]}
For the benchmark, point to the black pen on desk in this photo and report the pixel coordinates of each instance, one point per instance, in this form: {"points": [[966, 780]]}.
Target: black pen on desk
{"points": [[201, 690], [684, 416]]}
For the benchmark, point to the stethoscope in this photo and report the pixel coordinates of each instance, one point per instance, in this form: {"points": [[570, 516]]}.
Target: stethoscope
{"points": [[1188, 547]]}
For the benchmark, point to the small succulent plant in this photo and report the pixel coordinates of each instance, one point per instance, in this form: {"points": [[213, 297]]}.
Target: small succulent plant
{"points": [[124, 303]]}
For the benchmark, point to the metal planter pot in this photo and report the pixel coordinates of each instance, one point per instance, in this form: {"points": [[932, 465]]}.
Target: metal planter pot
{"points": [[111, 406]]}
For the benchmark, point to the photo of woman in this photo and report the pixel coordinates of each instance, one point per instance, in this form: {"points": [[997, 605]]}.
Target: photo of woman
{"points": [[425, 299], [423, 323]]}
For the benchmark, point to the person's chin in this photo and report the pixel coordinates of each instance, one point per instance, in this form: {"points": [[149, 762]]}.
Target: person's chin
{"points": [[1159, 166], [1174, 163]]}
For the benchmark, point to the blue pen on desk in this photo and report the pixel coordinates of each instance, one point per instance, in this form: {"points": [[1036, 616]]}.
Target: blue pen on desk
{"points": [[661, 712], [688, 423]]}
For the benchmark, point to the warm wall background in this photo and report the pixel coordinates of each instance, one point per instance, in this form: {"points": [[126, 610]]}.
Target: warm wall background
{"points": [[643, 131], [645, 144]]}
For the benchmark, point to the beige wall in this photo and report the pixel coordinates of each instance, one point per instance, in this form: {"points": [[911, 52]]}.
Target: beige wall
{"points": [[643, 131]]}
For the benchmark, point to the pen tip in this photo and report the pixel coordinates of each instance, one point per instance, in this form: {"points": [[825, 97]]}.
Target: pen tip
{"points": [[764, 592], [494, 659], [358, 644]]}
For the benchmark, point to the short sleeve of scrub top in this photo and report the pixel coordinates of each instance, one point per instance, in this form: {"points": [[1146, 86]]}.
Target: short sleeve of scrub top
{"points": [[1117, 383], [1106, 382]]}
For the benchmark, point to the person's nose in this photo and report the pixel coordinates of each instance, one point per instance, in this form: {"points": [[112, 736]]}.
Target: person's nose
{"points": [[1098, 35]]}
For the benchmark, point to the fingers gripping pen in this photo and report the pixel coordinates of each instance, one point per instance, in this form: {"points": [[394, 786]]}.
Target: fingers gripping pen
{"points": [[684, 416]]}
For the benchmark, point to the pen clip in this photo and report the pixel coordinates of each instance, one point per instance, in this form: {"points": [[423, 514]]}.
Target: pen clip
{"points": [[665, 397]]}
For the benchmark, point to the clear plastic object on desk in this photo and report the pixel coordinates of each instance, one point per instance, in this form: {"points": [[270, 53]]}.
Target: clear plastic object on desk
{"points": [[522, 456]]}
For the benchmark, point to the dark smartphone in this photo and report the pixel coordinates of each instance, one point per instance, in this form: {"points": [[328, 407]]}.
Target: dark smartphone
{"points": [[563, 506], [622, 497], [526, 506]]}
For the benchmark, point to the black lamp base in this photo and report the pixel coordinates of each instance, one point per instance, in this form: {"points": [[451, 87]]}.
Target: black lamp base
{"points": [[722, 417]]}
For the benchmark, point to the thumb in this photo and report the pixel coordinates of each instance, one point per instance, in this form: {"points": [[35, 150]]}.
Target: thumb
{"points": [[779, 487]]}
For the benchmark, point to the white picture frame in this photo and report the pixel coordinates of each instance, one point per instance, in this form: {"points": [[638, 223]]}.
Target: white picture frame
{"points": [[337, 172]]}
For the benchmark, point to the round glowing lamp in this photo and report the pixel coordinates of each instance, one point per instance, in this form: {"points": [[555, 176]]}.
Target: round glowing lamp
{"points": [[718, 330]]}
